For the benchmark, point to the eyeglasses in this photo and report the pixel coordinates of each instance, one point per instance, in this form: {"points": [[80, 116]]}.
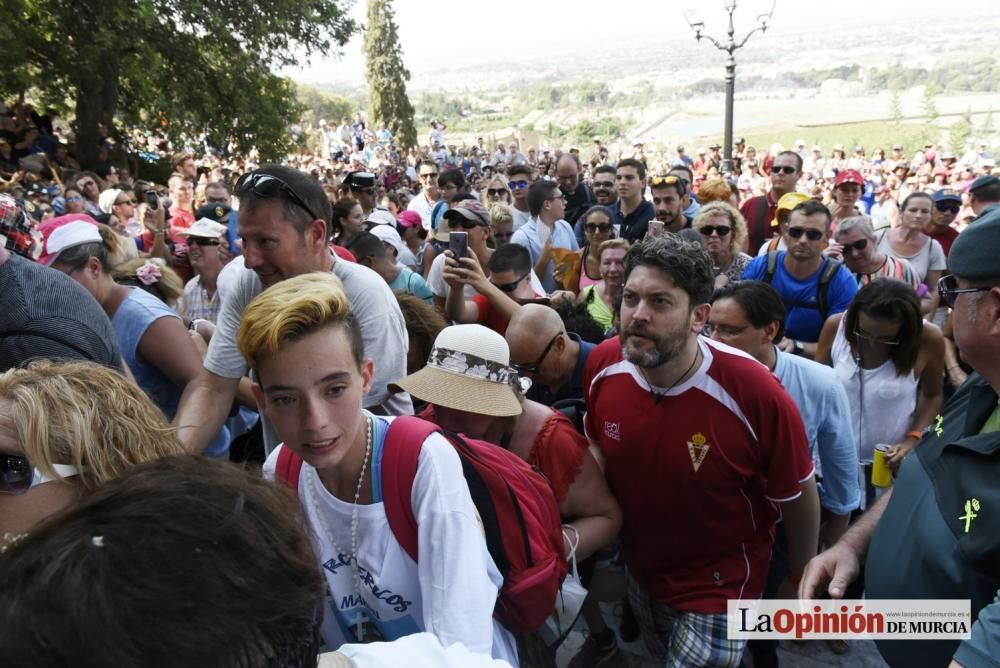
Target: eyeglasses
{"points": [[510, 287], [267, 186], [533, 368], [857, 246], [598, 227], [496, 192], [875, 339], [947, 208], [17, 475], [74, 198], [783, 169], [203, 241], [604, 185], [811, 235], [517, 185], [721, 230], [949, 290]]}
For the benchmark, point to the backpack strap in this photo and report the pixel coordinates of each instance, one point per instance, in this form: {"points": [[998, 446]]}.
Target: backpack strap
{"points": [[823, 289], [772, 266], [288, 468], [761, 225], [400, 455]]}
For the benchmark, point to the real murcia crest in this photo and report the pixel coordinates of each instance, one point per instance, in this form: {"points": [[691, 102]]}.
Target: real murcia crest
{"points": [[698, 448]]}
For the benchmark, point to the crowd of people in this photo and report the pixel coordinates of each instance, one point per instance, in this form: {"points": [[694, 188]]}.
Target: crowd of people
{"points": [[696, 386]]}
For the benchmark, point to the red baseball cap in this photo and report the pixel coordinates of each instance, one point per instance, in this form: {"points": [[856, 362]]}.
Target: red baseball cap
{"points": [[849, 176]]}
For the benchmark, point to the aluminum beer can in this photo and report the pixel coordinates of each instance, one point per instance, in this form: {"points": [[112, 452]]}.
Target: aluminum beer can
{"points": [[881, 475]]}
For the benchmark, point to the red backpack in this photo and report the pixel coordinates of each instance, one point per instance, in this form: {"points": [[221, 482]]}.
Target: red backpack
{"points": [[515, 502]]}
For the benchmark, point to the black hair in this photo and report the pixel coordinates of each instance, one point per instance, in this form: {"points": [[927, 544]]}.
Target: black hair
{"points": [[688, 264], [519, 169], [455, 177], [510, 257], [760, 302], [306, 187], [687, 170], [366, 244], [798, 158], [635, 164], [605, 169], [895, 301], [811, 207], [577, 319], [540, 192]]}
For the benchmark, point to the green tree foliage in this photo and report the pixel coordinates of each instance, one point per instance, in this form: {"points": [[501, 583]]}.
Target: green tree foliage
{"points": [[319, 105], [187, 66], [930, 106], [960, 131], [388, 102], [896, 106]]}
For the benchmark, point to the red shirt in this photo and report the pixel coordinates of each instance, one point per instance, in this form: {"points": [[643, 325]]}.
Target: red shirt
{"points": [[945, 237], [490, 317], [698, 471], [759, 231]]}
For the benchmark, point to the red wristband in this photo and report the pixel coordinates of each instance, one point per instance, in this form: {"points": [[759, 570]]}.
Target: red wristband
{"points": [[913, 434]]}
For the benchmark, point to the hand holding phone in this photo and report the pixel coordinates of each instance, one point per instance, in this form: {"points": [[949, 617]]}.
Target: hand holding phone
{"points": [[458, 244], [152, 200], [656, 228]]}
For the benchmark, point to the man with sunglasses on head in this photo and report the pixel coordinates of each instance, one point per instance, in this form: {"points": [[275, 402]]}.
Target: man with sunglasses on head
{"points": [[759, 211], [812, 285], [668, 194], [933, 534], [519, 177], [423, 203], [284, 221]]}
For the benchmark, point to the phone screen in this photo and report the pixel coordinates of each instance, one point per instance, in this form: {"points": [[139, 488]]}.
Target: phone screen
{"points": [[458, 243]]}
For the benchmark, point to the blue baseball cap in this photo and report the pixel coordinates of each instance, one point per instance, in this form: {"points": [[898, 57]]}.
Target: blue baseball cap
{"points": [[947, 195]]}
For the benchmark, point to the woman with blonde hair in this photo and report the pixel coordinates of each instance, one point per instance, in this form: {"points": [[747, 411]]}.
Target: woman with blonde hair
{"points": [[497, 192], [304, 344], [501, 224], [152, 275], [725, 233], [66, 429], [151, 336]]}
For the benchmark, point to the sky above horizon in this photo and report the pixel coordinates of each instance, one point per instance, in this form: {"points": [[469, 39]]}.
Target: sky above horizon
{"points": [[477, 29]]}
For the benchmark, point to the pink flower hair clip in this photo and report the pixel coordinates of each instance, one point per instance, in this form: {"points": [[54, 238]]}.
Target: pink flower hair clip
{"points": [[148, 273]]}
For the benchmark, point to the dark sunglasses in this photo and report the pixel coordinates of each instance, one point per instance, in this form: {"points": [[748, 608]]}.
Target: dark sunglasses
{"points": [[496, 192], [17, 475], [202, 241], [267, 186], [517, 185], [949, 208], [949, 291], [782, 169], [811, 235], [721, 230], [857, 246], [598, 227], [510, 287], [533, 368], [502, 235]]}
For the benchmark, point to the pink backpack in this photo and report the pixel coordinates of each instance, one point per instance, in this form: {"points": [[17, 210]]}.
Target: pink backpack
{"points": [[515, 502]]}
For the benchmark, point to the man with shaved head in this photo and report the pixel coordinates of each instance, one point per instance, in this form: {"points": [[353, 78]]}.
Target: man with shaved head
{"points": [[542, 349], [578, 195]]}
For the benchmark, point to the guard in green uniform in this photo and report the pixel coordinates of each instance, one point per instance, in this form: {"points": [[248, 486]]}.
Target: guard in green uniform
{"points": [[936, 534]]}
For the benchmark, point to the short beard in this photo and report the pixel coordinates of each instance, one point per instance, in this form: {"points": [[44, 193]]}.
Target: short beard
{"points": [[664, 350]]}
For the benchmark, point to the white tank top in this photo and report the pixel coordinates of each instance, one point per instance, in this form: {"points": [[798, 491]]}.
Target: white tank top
{"points": [[889, 399]]}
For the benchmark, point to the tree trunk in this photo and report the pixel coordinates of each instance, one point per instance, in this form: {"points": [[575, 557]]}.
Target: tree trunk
{"points": [[96, 103]]}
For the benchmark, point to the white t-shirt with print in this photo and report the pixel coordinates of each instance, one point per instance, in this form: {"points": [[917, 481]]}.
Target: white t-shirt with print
{"points": [[450, 593]]}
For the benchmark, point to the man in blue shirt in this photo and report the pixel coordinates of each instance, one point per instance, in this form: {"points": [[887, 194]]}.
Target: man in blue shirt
{"points": [[812, 286], [545, 230], [632, 211]]}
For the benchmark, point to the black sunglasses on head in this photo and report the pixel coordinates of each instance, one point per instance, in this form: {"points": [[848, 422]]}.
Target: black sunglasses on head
{"points": [[811, 235], [267, 186]]}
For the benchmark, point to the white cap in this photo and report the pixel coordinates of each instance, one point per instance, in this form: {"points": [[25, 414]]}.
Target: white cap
{"points": [[205, 228], [389, 235], [106, 200], [379, 216]]}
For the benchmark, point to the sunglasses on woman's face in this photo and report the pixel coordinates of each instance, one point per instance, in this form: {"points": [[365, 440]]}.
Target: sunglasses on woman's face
{"points": [[203, 241], [17, 475], [598, 227], [721, 230], [496, 192]]}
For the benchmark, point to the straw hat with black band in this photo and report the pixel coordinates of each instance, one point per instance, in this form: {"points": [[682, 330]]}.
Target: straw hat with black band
{"points": [[468, 370]]}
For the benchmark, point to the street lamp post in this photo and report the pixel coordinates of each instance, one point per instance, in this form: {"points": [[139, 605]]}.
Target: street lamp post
{"points": [[729, 46]]}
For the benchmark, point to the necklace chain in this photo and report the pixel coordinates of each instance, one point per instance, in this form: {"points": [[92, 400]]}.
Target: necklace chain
{"points": [[354, 512], [642, 372]]}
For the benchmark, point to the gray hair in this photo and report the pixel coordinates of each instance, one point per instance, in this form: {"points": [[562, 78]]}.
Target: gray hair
{"points": [[862, 223]]}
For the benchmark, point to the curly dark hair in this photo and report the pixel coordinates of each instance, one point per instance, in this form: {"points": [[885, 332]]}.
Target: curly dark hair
{"points": [[686, 263]]}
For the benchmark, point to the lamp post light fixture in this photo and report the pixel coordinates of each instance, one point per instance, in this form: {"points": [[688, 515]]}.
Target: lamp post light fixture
{"points": [[729, 46]]}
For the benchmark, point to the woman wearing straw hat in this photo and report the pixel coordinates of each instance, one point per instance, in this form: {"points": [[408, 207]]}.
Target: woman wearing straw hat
{"points": [[467, 382], [305, 347]]}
